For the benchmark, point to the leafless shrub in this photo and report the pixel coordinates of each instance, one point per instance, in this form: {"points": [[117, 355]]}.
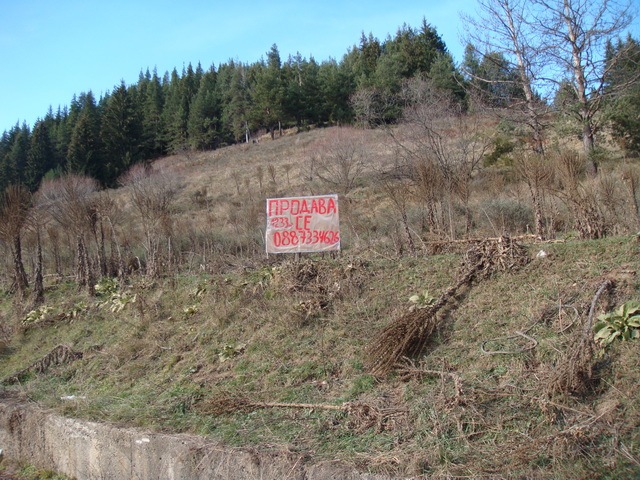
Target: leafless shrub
{"points": [[69, 201], [430, 189], [369, 106], [339, 159], [438, 136], [631, 179], [537, 173], [507, 215], [612, 199], [272, 175], [152, 194], [579, 197], [260, 177], [399, 193]]}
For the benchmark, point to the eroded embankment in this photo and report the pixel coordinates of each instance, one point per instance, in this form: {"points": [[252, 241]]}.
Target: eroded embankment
{"points": [[88, 450]]}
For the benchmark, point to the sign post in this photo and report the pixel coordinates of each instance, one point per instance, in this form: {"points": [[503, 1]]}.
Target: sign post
{"points": [[303, 224]]}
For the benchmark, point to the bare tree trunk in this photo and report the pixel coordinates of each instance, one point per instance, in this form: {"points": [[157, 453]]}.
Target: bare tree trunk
{"points": [[54, 241], [102, 255], [452, 230], [407, 231], [38, 286], [122, 271], [538, 214], [80, 267], [588, 145], [84, 270], [22, 282]]}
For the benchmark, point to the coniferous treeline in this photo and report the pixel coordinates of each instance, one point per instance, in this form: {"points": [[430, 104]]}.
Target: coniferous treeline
{"points": [[199, 109]]}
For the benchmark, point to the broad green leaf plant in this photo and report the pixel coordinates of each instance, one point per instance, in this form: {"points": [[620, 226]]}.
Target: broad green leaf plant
{"points": [[623, 323]]}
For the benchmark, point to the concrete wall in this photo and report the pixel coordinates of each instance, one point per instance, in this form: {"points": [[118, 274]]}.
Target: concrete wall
{"points": [[93, 451]]}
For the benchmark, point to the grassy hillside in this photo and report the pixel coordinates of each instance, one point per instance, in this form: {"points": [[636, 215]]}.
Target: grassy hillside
{"points": [[275, 352]]}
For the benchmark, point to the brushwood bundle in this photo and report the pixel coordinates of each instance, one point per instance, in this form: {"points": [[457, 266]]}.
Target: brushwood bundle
{"points": [[408, 335]]}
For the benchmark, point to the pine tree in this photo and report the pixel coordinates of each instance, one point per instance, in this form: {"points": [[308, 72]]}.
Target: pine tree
{"points": [[337, 84], [311, 92], [623, 89], [445, 76], [41, 156], [121, 135], [84, 152], [409, 53], [204, 115], [366, 60], [61, 137], [292, 72], [268, 106], [176, 109], [17, 155], [8, 172], [153, 143]]}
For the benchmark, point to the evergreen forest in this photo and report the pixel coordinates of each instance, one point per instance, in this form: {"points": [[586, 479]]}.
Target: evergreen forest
{"points": [[199, 109]]}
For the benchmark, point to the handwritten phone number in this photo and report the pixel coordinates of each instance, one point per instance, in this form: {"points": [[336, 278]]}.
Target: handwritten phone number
{"points": [[304, 237]]}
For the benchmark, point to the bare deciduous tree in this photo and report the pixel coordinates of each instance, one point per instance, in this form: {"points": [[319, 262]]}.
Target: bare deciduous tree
{"points": [[69, 201], [105, 215], [152, 194], [574, 35], [437, 136], [38, 222], [537, 173], [504, 26], [339, 159], [399, 192], [14, 216]]}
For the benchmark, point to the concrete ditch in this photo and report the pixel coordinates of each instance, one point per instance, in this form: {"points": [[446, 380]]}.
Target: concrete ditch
{"points": [[96, 451]]}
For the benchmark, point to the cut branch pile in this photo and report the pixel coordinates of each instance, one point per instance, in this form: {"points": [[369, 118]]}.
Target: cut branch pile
{"points": [[59, 355], [573, 374], [361, 415], [408, 335]]}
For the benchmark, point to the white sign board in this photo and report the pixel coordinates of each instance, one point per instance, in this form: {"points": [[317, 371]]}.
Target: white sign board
{"points": [[303, 224]]}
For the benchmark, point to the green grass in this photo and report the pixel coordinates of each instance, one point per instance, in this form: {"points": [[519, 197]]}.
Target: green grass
{"points": [[155, 365]]}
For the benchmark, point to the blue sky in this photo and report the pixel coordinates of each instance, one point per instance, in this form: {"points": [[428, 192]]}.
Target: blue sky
{"points": [[53, 49]]}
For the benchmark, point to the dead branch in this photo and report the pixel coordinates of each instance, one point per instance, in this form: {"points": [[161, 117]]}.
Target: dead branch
{"points": [[574, 372], [604, 286], [362, 415], [411, 371]]}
